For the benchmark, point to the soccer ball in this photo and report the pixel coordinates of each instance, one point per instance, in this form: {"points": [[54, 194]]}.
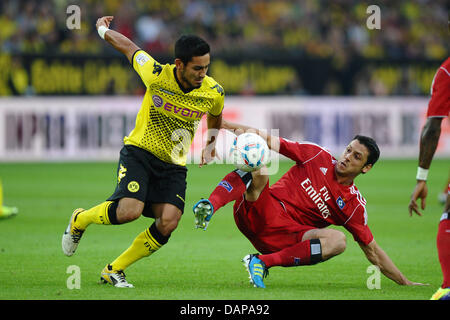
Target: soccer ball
{"points": [[249, 152]]}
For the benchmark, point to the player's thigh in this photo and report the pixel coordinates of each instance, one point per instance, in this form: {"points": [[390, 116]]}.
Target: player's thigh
{"points": [[167, 187], [266, 224], [165, 198], [262, 216], [132, 175], [259, 182]]}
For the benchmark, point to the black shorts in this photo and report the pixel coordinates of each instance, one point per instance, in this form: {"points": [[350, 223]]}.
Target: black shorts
{"points": [[143, 176]]}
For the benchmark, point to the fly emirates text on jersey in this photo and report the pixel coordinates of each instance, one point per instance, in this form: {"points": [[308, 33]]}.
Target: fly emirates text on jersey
{"points": [[316, 197]]}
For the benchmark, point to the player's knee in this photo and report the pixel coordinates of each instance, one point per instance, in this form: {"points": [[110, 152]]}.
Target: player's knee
{"points": [[335, 243], [168, 223], [128, 213], [340, 242]]}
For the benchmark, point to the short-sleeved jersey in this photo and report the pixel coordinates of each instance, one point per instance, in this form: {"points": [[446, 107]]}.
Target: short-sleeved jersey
{"points": [[169, 117], [439, 105], [312, 195]]}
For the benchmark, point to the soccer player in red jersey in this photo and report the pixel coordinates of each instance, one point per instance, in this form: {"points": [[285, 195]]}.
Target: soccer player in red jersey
{"points": [[287, 221], [438, 109]]}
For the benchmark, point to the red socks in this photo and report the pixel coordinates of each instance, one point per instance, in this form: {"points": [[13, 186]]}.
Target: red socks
{"points": [[231, 188], [443, 247], [307, 252]]}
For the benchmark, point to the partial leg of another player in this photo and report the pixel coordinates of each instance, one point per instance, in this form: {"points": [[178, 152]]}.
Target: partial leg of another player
{"points": [[443, 247]]}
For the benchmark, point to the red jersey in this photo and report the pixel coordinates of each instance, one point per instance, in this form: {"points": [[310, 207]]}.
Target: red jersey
{"points": [[439, 105], [311, 194]]}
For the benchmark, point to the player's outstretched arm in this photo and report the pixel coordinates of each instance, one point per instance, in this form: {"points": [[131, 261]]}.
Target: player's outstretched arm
{"points": [[214, 124], [428, 144], [273, 142], [116, 39], [379, 258]]}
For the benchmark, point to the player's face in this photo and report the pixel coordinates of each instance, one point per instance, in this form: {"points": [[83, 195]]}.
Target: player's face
{"points": [[353, 161], [193, 73]]}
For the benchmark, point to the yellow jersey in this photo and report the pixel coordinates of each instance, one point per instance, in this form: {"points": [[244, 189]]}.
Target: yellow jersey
{"points": [[168, 117]]}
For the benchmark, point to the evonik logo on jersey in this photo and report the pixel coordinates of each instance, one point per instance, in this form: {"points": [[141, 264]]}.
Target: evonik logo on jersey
{"points": [[316, 197], [158, 102]]}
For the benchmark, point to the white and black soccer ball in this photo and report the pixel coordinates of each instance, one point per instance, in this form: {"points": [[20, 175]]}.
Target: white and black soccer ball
{"points": [[249, 152]]}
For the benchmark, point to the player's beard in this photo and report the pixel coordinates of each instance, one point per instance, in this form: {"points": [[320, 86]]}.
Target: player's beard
{"points": [[186, 80]]}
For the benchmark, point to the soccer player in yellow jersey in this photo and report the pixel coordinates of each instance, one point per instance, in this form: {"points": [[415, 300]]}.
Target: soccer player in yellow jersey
{"points": [[151, 174]]}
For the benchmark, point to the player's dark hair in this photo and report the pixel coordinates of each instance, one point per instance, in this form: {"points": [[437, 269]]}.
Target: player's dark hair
{"points": [[189, 46], [371, 145]]}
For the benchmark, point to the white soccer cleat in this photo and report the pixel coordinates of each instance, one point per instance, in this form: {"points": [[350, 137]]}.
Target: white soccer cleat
{"points": [[116, 278], [8, 212], [72, 235]]}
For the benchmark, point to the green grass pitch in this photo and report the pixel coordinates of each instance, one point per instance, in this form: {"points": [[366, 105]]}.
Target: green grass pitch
{"points": [[197, 264]]}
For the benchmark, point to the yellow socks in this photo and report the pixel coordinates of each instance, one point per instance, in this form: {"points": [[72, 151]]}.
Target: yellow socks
{"points": [[146, 243], [97, 215]]}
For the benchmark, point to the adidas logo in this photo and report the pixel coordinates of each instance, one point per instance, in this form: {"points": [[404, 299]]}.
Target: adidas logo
{"points": [[324, 170]]}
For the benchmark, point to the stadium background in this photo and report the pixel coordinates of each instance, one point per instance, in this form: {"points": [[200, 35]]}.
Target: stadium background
{"points": [[310, 69], [261, 51]]}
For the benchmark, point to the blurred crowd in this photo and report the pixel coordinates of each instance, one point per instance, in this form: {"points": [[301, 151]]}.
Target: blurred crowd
{"points": [[326, 43], [319, 28]]}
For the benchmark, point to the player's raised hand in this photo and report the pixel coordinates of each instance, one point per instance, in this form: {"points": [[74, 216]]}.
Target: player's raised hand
{"points": [[208, 155], [419, 192], [104, 21]]}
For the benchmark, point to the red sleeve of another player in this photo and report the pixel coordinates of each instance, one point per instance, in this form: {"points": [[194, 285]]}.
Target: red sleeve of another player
{"points": [[439, 105], [299, 151], [357, 226]]}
